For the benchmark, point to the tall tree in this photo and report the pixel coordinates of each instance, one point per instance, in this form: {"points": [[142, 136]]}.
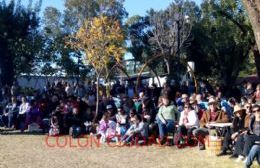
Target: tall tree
{"points": [[18, 39], [253, 10], [102, 41], [59, 25], [162, 35], [220, 49]]}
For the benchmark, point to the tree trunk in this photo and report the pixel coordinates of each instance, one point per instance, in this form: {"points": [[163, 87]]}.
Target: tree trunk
{"points": [[253, 10], [142, 69], [6, 65], [156, 75], [97, 101], [257, 60]]}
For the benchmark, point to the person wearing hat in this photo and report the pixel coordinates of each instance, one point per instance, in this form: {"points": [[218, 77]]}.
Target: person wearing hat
{"points": [[110, 111], [213, 114], [247, 140], [199, 111], [253, 134], [238, 127], [166, 117]]}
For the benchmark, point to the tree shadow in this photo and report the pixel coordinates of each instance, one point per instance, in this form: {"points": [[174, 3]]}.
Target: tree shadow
{"points": [[18, 132]]}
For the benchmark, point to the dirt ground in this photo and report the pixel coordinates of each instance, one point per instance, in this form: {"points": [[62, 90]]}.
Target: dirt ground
{"points": [[32, 151]]}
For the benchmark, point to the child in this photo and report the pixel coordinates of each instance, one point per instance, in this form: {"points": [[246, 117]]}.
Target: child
{"points": [[54, 130], [122, 121], [103, 127], [111, 131]]}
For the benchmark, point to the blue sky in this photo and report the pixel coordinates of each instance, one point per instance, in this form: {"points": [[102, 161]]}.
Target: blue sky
{"points": [[133, 7]]}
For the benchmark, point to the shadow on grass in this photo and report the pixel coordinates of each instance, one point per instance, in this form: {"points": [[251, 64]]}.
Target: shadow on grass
{"points": [[18, 132]]}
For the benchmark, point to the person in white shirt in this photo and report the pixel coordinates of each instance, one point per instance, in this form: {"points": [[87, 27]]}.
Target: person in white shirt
{"points": [[23, 109], [188, 122]]}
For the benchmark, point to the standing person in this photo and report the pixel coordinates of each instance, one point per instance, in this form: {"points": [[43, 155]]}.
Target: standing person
{"points": [[23, 110], [211, 115], [167, 116]]}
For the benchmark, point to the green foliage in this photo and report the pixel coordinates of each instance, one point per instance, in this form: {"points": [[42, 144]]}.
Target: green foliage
{"points": [[19, 39], [58, 26], [220, 48]]}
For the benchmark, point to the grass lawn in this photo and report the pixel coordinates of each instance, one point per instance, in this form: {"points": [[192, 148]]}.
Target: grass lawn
{"points": [[32, 151]]}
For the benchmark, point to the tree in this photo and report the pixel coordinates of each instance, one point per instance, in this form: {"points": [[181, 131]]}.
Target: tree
{"points": [[102, 41], [220, 49], [170, 31], [140, 47], [19, 39], [59, 25], [253, 10], [159, 38]]}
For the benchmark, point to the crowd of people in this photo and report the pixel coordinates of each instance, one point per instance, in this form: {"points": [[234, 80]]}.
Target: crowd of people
{"points": [[129, 116]]}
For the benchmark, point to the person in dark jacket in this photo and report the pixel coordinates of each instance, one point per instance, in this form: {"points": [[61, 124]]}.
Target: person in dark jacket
{"points": [[238, 126]]}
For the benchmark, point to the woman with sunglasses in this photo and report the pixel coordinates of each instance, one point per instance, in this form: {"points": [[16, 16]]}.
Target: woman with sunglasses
{"points": [[188, 122], [252, 135]]}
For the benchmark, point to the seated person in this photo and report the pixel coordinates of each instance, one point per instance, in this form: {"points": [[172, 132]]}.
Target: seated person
{"points": [[167, 116], [111, 131], [10, 114], [54, 127], [253, 133], [239, 140], [103, 127], [76, 123], [188, 122], [238, 127], [253, 153], [149, 118], [132, 116], [137, 131], [122, 121], [211, 115], [34, 114]]}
